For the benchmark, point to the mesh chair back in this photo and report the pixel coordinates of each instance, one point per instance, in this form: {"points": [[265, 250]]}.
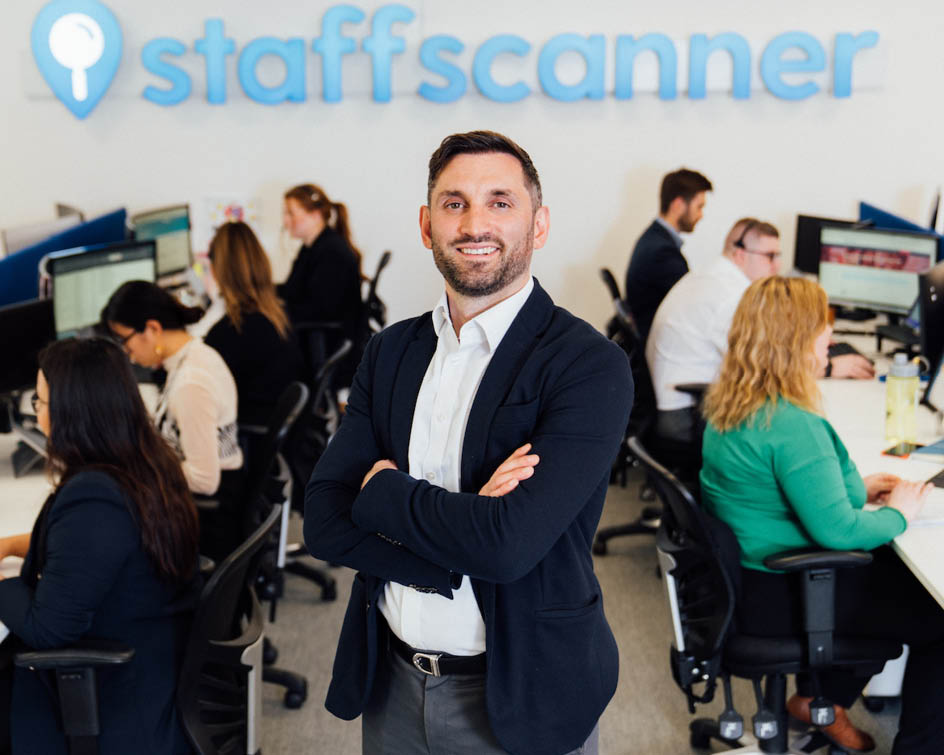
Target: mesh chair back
{"points": [[704, 572], [212, 693]]}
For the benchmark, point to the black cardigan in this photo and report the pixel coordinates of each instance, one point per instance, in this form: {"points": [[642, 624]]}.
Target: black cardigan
{"points": [[95, 580], [325, 283], [262, 363]]}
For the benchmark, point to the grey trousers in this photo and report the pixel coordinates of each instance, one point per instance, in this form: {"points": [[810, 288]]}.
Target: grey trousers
{"points": [[412, 713]]}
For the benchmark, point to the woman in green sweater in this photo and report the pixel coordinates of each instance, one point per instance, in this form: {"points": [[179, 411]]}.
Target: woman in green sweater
{"points": [[776, 472]]}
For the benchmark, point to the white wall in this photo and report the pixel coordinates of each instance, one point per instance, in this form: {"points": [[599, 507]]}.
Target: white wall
{"points": [[600, 162]]}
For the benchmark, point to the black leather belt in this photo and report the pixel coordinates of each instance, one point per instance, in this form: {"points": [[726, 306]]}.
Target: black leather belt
{"points": [[438, 664]]}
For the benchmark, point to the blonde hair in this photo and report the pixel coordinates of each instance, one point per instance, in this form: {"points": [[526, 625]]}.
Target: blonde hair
{"points": [[770, 351], [243, 272]]}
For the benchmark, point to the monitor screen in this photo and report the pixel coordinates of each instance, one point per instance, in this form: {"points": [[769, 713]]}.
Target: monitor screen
{"points": [[83, 279], [25, 328], [169, 227], [806, 252], [874, 268]]}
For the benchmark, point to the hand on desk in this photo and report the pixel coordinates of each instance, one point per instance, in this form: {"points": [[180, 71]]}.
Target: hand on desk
{"points": [[851, 366], [878, 486], [908, 497]]}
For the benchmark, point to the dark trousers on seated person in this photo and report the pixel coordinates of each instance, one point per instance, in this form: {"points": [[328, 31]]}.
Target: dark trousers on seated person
{"points": [[882, 600], [413, 713]]}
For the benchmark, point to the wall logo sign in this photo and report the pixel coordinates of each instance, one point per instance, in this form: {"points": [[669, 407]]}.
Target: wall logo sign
{"points": [[77, 47]]}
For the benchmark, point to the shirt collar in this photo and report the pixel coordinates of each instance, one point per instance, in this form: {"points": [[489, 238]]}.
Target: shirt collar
{"points": [[171, 363], [493, 323], [729, 269], [676, 236]]}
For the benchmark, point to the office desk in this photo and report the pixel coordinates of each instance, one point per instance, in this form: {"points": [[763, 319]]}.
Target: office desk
{"points": [[856, 409]]}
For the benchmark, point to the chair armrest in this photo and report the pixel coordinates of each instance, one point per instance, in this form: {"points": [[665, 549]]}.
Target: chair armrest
{"points": [[696, 390], [300, 327], [75, 657], [816, 558]]}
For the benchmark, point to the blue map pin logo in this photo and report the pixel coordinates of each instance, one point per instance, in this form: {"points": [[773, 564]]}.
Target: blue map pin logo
{"points": [[77, 47]]}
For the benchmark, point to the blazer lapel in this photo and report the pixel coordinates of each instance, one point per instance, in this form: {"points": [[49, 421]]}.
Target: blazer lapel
{"points": [[406, 388], [498, 378]]}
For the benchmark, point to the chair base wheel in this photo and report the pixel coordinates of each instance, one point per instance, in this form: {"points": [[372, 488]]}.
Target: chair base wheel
{"points": [[873, 704], [599, 547], [270, 654], [295, 699], [329, 592]]}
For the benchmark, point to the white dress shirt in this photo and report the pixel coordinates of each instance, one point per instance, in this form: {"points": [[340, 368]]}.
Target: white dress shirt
{"points": [[689, 333], [428, 621]]}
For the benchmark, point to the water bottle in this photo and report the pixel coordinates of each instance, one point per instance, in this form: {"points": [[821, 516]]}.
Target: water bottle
{"points": [[901, 401]]}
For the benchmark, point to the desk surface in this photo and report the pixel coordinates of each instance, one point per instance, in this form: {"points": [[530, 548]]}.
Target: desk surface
{"points": [[856, 409]]}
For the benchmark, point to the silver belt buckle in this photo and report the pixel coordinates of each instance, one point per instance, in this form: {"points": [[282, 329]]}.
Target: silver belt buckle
{"points": [[433, 659]]}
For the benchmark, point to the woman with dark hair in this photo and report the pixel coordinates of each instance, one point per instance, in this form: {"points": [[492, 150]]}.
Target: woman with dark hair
{"points": [[113, 554], [254, 336], [325, 282], [196, 412]]}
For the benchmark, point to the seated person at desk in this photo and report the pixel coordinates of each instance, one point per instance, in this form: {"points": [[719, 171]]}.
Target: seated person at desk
{"points": [[776, 472], [657, 263], [253, 336], [690, 331], [113, 555], [197, 409]]}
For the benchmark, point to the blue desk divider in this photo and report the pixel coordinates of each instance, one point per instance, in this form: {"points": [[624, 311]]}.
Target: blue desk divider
{"points": [[19, 273]]}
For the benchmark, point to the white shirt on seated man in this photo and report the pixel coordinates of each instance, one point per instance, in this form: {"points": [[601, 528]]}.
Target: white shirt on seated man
{"points": [[689, 334]]}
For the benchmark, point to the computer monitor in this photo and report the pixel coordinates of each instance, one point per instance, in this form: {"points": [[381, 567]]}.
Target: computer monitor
{"points": [[25, 328], [83, 280], [874, 268], [880, 218], [19, 273], [806, 252], [169, 227]]}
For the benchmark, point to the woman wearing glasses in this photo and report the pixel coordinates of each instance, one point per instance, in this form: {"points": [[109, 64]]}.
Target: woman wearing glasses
{"points": [[776, 472], [113, 554], [197, 409]]}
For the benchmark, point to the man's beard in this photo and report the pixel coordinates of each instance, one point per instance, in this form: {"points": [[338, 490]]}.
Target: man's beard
{"points": [[685, 224], [471, 283]]}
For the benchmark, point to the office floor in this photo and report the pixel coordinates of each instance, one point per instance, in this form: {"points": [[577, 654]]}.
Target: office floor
{"points": [[647, 716]]}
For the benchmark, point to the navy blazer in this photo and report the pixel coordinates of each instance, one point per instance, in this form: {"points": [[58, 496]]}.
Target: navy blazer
{"points": [[656, 265], [94, 579], [554, 381]]}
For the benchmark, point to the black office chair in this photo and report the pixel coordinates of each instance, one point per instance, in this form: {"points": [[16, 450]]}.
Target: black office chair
{"points": [[218, 698], [700, 559], [375, 311], [219, 694], [686, 457], [303, 450]]}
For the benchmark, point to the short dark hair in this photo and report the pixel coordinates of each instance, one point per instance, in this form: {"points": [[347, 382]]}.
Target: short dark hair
{"points": [[479, 142], [682, 183]]}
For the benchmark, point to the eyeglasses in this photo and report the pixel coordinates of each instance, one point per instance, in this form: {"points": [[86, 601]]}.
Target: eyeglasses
{"points": [[123, 340], [772, 257], [35, 402]]}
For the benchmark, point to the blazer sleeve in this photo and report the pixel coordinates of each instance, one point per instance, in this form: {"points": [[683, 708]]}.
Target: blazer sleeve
{"points": [[500, 540], [90, 536], [330, 531]]}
